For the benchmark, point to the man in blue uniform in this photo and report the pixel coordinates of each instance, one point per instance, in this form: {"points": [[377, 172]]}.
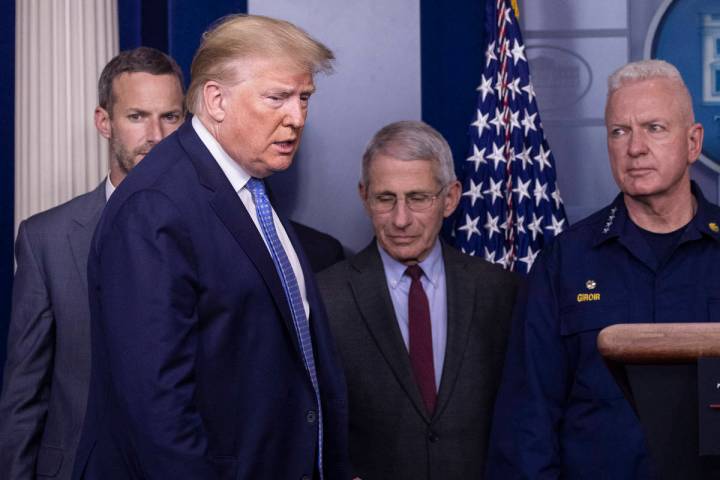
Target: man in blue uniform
{"points": [[650, 256]]}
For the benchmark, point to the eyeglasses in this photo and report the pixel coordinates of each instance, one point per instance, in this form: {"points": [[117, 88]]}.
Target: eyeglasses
{"points": [[416, 201]]}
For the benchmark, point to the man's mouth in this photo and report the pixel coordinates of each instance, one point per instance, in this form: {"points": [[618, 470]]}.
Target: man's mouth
{"points": [[402, 239], [285, 146], [639, 171]]}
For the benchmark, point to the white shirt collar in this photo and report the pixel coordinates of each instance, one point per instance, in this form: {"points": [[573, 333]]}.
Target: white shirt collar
{"points": [[234, 172], [109, 187]]}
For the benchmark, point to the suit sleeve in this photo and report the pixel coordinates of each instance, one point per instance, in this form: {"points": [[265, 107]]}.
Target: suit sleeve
{"points": [[149, 323], [28, 368], [524, 442]]}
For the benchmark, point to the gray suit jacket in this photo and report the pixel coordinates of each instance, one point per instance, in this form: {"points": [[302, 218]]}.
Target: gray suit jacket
{"points": [[46, 377], [391, 435]]}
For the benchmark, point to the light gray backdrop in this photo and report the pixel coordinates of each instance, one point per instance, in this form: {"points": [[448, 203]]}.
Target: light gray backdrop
{"points": [[573, 45]]}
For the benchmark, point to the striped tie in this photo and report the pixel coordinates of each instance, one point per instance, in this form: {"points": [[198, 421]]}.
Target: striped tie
{"points": [[292, 292]]}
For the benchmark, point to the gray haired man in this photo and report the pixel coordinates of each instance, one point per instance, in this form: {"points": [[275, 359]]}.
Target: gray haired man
{"points": [[420, 327], [650, 256]]}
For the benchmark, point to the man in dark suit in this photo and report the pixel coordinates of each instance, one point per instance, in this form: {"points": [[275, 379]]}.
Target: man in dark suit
{"points": [[48, 366], [323, 250], [212, 357], [421, 328]]}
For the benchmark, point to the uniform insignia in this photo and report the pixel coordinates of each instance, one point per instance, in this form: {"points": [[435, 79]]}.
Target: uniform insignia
{"points": [[610, 220], [590, 284], [714, 227], [588, 297]]}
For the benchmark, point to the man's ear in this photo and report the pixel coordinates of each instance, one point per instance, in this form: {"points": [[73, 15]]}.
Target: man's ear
{"points": [[695, 142], [363, 193], [214, 101], [452, 198], [103, 124]]}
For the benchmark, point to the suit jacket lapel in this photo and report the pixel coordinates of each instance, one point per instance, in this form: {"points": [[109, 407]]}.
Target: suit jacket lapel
{"points": [[81, 233], [231, 211], [371, 293], [460, 307]]}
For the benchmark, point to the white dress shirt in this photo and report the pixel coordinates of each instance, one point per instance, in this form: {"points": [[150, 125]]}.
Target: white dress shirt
{"points": [[238, 179], [109, 187]]}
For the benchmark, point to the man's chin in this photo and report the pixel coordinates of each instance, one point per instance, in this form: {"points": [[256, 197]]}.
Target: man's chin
{"points": [[265, 168], [406, 253]]}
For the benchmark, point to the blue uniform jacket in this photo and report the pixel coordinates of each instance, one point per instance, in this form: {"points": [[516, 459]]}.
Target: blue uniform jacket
{"points": [[559, 413]]}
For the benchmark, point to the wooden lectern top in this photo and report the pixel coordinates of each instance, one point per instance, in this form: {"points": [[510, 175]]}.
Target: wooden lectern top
{"points": [[648, 343]]}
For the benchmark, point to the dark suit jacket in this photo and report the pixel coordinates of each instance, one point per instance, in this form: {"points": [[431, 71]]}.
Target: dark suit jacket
{"points": [[321, 249], [196, 371], [391, 434], [48, 364]]}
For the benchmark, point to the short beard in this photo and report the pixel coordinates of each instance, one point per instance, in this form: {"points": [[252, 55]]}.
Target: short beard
{"points": [[123, 157]]}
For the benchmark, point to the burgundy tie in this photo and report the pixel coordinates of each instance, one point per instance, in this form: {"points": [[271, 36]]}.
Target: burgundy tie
{"points": [[421, 353]]}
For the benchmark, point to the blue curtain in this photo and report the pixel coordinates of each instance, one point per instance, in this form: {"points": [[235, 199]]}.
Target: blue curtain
{"points": [[453, 52], [7, 164], [173, 26]]}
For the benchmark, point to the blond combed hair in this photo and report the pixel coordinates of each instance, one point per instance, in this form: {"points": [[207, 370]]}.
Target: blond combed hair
{"points": [[237, 37]]}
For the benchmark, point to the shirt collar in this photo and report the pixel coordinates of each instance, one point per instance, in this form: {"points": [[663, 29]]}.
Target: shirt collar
{"points": [[432, 266], [234, 172], [705, 221], [109, 187]]}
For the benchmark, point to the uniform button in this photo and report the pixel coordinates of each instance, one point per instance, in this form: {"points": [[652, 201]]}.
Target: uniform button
{"points": [[311, 416], [432, 436]]}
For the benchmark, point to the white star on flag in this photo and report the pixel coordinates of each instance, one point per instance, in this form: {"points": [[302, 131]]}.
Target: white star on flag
{"points": [[540, 192], [557, 226], [504, 258], [530, 92], [482, 122], [474, 192], [496, 156], [485, 87], [470, 226], [528, 122], [518, 52], [491, 225], [543, 158], [524, 156], [535, 227], [499, 121], [494, 190], [477, 157], [529, 259], [522, 190]]}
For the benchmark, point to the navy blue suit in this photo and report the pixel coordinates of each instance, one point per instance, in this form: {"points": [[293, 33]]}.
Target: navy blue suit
{"points": [[196, 372]]}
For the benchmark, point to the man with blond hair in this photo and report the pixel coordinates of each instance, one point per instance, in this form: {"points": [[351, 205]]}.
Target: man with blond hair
{"points": [[212, 356], [650, 256]]}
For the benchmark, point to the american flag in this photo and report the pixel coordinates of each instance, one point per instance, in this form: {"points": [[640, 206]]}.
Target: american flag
{"points": [[510, 204]]}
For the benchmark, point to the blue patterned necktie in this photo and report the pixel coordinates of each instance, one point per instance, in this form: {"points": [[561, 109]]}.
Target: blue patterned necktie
{"points": [[292, 292]]}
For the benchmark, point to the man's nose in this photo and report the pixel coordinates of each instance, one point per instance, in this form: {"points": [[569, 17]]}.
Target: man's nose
{"points": [[401, 214], [295, 114], [154, 131], [638, 143]]}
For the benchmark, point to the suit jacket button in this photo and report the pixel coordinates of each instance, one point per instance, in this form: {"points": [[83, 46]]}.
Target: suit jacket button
{"points": [[432, 436], [311, 416], [305, 477]]}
